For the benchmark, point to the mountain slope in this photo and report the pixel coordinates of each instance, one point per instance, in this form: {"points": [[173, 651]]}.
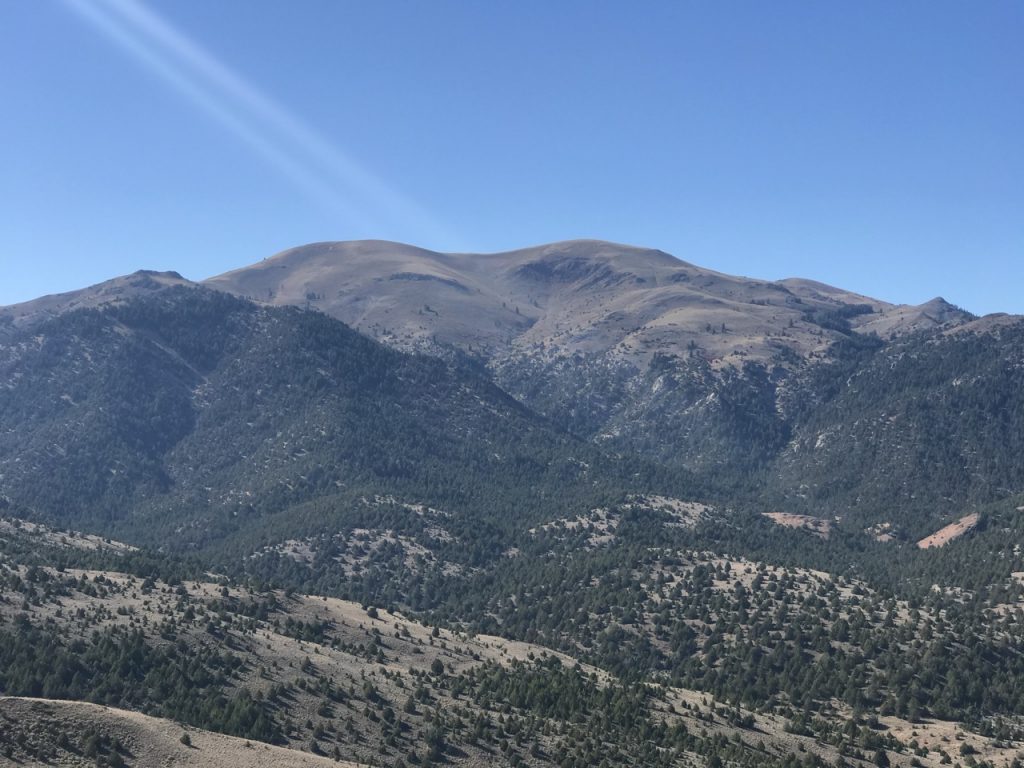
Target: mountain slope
{"points": [[574, 297], [66, 731], [919, 430], [625, 346], [700, 655], [189, 414], [108, 293], [752, 385]]}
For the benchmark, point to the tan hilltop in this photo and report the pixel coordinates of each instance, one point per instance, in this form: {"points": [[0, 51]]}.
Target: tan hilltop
{"points": [[578, 296], [149, 741]]}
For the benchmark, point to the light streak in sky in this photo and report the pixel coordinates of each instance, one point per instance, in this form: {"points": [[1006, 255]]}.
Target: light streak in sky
{"points": [[304, 156]]}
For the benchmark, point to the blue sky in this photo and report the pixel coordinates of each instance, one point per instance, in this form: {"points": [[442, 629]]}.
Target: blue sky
{"points": [[873, 145]]}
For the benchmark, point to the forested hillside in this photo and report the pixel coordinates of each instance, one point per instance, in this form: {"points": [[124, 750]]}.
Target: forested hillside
{"points": [[256, 520], [696, 659], [927, 426], [190, 415]]}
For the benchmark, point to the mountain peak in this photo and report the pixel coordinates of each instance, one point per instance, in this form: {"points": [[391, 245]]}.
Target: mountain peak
{"points": [[571, 297], [111, 291]]}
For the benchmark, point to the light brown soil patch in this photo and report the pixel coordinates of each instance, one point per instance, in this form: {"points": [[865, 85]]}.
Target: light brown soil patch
{"points": [[816, 525], [950, 532], [150, 741]]}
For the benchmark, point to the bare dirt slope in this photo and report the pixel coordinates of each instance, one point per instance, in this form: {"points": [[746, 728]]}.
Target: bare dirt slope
{"points": [[72, 733], [816, 525], [952, 531]]}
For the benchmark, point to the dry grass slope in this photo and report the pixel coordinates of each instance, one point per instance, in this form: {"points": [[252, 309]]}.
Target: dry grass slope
{"points": [[56, 733], [578, 296]]}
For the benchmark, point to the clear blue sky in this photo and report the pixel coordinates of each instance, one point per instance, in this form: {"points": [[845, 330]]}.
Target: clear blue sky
{"points": [[874, 145]]}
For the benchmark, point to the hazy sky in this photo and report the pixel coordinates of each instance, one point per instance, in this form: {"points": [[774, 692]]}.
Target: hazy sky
{"points": [[874, 145]]}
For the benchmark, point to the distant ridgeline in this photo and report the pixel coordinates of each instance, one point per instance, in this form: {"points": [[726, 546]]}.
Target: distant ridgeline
{"points": [[557, 376]]}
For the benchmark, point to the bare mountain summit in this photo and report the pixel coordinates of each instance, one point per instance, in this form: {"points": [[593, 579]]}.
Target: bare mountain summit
{"points": [[107, 293], [627, 346], [578, 296]]}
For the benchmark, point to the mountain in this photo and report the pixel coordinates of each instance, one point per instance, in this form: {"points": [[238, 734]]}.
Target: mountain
{"points": [[642, 353], [757, 388], [579, 297], [444, 541], [628, 347], [188, 415]]}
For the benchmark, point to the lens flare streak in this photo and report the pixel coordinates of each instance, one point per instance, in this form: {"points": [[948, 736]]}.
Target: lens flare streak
{"points": [[306, 158]]}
